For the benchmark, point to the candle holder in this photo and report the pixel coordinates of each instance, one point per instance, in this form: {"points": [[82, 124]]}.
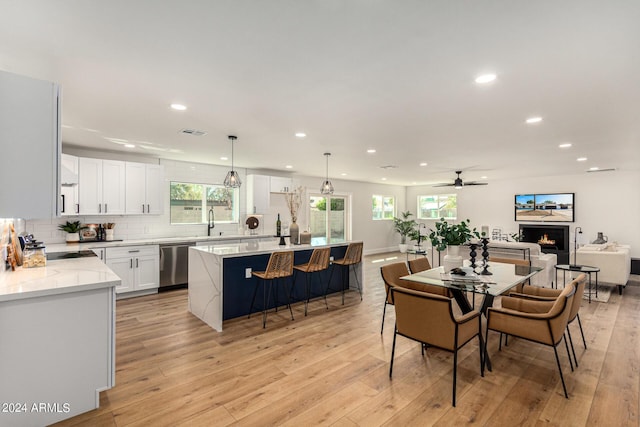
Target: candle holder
{"points": [[472, 254], [485, 257]]}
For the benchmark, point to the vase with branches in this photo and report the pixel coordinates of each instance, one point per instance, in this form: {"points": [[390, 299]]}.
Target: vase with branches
{"points": [[294, 201]]}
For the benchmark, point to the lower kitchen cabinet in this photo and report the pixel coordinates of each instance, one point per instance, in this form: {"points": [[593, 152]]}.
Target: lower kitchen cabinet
{"points": [[137, 266]]}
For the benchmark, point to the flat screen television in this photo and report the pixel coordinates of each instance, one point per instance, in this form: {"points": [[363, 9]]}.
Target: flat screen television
{"points": [[547, 207]]}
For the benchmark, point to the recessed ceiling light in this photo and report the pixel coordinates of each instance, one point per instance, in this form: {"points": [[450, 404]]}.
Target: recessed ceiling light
{"points": [[594, 168], [485, 78], [581, 159], [178, 107], [484, 177], [289, 167], [371, 150], [129, 145], [224, 158], [384, 179], [343, 174], [300, 135], [532, 120], [565, 145], [423, 164]]}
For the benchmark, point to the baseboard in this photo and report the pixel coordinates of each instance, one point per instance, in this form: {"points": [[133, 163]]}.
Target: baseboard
{"points": [[381, 250]]}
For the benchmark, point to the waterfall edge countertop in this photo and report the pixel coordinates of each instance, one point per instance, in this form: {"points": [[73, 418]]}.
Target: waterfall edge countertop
{"points": [[257, 248], [57, 277]]}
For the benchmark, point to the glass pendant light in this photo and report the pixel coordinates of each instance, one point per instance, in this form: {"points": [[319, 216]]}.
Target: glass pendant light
{"points": [[327, 187], [232, 180]]}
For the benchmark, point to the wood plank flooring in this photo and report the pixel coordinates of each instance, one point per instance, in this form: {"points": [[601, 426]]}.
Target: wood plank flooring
{"points": [[332, 368]]}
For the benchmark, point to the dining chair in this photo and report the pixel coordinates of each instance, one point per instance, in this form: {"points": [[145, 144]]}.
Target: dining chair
{"points": [[550, 295], [352, 256], [391, 274], [279, 268], [419, 264], [429, 319], [536, 321], [318, 263]]}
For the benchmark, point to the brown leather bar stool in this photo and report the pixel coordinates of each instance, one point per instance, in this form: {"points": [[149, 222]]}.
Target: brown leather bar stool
{"points": [[279, 268], [352, 256], [318, 262]]}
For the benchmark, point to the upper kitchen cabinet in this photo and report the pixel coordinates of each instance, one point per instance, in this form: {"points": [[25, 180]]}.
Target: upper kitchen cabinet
{"points": [[279, 184], [258, 197], [144, 185], [69, 185], [101, 186], [30, 141]]}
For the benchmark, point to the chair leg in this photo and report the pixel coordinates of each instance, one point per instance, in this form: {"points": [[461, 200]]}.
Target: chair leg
{"points": [[564, 338], [455, 376], [564, 386], [345, 279], [393, 350], [584, 342], [384, 312], [288, 299], [481, 346], [573, 350], [265, 298], [333, 266], [355, 274]]}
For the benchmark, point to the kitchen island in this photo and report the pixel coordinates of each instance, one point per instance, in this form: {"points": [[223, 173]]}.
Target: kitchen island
{"points": [[56, 340], [221, 285]]}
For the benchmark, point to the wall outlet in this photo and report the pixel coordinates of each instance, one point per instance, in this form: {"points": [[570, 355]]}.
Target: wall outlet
{"points": [[331, 258], [247, 273]]}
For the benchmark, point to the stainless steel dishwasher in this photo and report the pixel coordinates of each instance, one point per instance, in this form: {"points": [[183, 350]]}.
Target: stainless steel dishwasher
{"points": [[174, 265]]}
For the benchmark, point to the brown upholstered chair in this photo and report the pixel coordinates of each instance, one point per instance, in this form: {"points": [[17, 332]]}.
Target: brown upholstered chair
{"points": [[352, 256], [419, 264], [543, 322], [546, 294], [318, 262], [279, 268], [429, 319], [391, 274]]}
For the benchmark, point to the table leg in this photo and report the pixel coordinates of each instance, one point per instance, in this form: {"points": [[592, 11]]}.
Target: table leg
{"points": [[590, 287], [596, 284]]}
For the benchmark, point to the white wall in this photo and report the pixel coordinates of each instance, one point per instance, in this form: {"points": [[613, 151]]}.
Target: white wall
{"points": [[605, 201]]}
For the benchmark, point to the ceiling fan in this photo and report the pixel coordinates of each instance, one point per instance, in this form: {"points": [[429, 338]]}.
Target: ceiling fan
{"points": [[457, 183]]}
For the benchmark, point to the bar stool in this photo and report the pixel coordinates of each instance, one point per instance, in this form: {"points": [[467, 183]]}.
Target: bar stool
{"points": [[352, 256], [318, 262], [280, 266]]}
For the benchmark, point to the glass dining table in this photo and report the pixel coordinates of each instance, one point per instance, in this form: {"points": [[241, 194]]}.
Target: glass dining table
{"points": [[503, 277]]}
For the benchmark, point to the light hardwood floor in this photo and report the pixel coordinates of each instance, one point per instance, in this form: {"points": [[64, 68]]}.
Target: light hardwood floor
{"points": [[332, 368]]}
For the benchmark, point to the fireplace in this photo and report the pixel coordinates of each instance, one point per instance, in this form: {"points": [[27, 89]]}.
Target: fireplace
{"points": [[553, 239]]}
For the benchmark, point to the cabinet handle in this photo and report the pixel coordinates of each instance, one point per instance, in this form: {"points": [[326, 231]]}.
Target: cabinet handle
{"points": [[77, 207], [99, 207], [148, 209], [62, 211], [105, 208], [136, 262], [143, 208], [131, 263], [134, 251]]}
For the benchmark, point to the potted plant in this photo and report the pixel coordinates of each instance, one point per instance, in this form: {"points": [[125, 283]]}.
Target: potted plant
{"points": [[405, 227], [73, 231], [450, 236]]}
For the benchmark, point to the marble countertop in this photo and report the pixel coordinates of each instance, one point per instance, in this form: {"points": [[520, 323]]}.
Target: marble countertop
{"points": [[75, 247], [57, 277], [256, 248]]}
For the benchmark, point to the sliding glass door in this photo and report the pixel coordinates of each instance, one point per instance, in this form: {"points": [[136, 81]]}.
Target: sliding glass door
{"points": [[329, 218]]}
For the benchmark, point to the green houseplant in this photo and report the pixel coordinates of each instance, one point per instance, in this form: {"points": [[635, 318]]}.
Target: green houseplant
{"points": [[73, 231], [404, 226], [449, 234]]}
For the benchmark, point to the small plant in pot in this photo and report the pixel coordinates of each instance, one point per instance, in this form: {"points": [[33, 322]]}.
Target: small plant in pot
{"points": [[73, 231], [404, 226], [447, 234]]}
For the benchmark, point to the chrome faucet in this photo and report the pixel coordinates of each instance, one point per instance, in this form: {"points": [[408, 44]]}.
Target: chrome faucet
{"points": [[211, 223]]}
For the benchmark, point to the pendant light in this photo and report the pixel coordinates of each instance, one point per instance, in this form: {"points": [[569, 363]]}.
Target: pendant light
{"points": [[232, 180], [327, 187]]}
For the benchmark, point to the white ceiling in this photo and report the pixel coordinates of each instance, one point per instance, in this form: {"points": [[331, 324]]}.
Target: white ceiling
{"points": [[393, 75]]}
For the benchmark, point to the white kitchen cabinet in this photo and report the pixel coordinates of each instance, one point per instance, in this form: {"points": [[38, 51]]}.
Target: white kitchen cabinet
{"points": [[100, 252], [101, 186], [279, 184], [258, 194], [138, 268], [30, 140], [144, 188], [68, 185]]}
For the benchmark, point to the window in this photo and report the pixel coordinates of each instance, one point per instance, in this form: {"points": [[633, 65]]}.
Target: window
{"points": [[190, 203], [438, 206], [329, 218], [383, 207]]}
